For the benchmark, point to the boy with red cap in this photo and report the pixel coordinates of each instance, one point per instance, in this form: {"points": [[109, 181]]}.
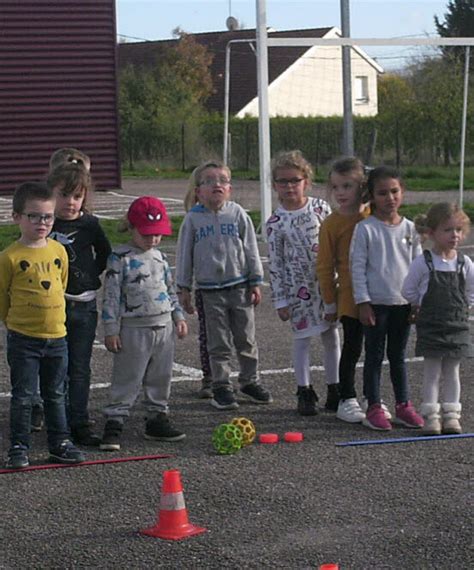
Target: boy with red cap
{"points": [[139, 309]]}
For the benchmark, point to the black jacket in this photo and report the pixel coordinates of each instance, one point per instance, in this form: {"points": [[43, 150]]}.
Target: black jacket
{"points": [[87, 247]]}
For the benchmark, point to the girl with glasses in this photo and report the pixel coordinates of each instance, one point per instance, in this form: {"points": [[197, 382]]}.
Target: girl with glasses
{"points": [[293, 242]]}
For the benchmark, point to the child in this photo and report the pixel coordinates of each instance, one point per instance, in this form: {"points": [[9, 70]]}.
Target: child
{"points": [[69, 155], [140, 306], [293, 240], [440, 287], [217, 246], [205, 391], [88, 248], [33, 277], [382, 248], [347, 184], [59, 157]]}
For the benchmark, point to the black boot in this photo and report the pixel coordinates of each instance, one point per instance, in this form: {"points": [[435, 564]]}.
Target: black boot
{"points": [[83, 435], [159, 428], [307, 399], [111, 437]]}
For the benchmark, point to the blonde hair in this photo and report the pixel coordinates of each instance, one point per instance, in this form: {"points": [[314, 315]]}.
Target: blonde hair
{"points": [[191, 199], [69, 155], [439, 213], [292, 159]]}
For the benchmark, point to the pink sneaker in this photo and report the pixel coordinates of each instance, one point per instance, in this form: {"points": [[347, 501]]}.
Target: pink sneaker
{"points": [[406, 415], [375, 418]]}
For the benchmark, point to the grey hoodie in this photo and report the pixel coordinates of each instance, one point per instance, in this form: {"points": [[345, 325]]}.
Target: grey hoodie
{"points": [[218, 248]]}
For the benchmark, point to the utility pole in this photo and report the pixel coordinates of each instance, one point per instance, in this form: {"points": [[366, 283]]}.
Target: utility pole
{"points": [[348, 125]]}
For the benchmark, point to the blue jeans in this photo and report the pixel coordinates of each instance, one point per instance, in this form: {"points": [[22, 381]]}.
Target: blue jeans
{"points": [[391, 324], [81, 322], [30, 358]]}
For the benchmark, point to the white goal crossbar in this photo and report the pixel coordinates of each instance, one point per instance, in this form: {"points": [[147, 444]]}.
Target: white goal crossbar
{"points": [[356, 42], [264, 41]]}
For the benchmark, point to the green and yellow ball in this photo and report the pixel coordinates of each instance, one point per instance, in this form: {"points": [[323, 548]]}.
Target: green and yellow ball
{"points": [[248, 429], [227, 439]]}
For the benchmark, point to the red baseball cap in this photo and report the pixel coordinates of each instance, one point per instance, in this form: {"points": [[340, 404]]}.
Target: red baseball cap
{"points": [[148, 215]]}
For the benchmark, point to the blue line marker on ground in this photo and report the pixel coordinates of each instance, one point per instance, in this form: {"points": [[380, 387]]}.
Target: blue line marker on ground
{"points": [[404, 439]]}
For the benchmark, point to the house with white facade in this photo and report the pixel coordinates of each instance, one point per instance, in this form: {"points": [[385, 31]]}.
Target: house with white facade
{"points": [[312, 84], [302, 81]]}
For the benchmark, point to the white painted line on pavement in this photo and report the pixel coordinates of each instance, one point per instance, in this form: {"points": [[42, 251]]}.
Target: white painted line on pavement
{"points": [[194, 374], [177, 200], [119, 195], [187, 370], [102, 385]]}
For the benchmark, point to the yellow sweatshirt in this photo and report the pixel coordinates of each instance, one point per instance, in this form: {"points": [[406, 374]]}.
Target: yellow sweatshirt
{"points": [[332, 265], [32, 285]]}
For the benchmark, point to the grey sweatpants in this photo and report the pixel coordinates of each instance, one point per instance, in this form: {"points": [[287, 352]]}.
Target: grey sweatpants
{"points": [[230, 317], [146, 359]]}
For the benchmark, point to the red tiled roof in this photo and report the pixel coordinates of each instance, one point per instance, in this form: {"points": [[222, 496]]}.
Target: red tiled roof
{"points": [[243, 67]]}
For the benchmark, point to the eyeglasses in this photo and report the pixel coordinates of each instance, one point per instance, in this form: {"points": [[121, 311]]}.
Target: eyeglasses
{"points": [[47, 219], [221, 181], [288, 181]]}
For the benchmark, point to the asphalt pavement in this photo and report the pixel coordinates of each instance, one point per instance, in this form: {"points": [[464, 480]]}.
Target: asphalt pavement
{"points": [[288, 505]]}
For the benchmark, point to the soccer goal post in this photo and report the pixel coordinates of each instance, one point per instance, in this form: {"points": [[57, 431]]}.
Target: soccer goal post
{"points": [[266, 108]]}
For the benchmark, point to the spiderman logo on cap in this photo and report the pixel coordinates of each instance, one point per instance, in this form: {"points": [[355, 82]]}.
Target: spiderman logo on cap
{"points": [[148, 215]]}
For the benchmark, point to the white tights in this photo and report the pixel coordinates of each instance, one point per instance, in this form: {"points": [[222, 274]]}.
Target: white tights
{"points": [[433, 370], [331, 355]]}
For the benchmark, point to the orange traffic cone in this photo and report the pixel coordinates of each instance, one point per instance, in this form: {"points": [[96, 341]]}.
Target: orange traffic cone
{"points": [[172, 521]]}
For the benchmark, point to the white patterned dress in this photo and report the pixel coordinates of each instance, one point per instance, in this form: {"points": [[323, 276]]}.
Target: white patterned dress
{"points": [[293, 242]]}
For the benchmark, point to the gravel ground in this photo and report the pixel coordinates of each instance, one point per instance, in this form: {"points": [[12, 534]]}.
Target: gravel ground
{"points": [[292, 506]]}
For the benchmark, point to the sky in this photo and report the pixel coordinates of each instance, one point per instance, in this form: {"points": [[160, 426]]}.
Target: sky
{"points": [[155, 19]]}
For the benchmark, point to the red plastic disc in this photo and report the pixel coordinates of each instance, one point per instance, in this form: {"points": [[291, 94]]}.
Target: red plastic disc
{"points": [[268, 438], [293, 436]]}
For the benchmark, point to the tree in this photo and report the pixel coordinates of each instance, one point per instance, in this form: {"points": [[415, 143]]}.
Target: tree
{"points": [[138, 101], [459, 22], [437, 85], [395, 113], [155, 103], [183, 75]]}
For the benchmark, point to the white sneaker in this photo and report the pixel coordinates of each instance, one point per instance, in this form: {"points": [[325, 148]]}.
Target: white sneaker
{"points": [[365, 404], [350, 411]]}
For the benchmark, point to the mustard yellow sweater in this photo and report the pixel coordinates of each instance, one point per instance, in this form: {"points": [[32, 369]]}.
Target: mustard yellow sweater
{"points": [[332, 266]]}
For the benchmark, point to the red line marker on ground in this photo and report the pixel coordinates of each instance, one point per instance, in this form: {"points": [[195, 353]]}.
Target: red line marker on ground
{"points": [[84, 464]]}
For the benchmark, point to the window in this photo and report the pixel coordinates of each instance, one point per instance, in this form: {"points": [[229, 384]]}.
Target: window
{"points": [[361, 89]]}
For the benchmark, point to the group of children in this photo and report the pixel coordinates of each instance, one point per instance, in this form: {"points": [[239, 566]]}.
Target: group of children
{"points": [[47, 291], [361, 265]]}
